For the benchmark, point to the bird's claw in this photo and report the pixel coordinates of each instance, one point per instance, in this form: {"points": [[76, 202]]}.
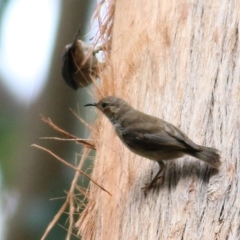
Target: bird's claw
{"points": [[150, 185]]}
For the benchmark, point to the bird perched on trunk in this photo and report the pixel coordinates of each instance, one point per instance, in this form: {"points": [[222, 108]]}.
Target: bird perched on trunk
{"points": [[79, 63], [152, 137]]}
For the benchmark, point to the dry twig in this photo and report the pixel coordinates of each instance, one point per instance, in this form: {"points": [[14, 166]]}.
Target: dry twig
{"points": [[83, 142], [71, 166]]}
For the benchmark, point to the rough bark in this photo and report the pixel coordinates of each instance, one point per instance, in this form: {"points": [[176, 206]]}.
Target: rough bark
{"points": [[179, 61]]}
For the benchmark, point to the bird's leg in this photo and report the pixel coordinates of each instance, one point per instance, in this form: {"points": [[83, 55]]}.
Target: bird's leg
{"points": [[159, 175]]}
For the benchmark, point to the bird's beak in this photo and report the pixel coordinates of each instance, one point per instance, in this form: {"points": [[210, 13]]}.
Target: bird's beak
{"points": [[90, 104]]}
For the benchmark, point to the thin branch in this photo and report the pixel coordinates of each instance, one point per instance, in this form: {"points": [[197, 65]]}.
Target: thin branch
{"points": [[83, 142], [84, 193], [66, 139], [55, 219], [81, 120], [71, 194], [71, 166]]}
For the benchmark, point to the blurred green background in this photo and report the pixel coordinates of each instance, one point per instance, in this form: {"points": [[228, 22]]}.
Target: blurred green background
{"points": [[36, 35]]}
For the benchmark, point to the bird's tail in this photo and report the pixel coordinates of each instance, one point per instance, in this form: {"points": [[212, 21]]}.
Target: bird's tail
{"points": [[208, 155]]}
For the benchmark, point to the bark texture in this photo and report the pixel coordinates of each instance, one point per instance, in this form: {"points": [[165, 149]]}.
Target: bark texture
{"points": [[179, 61]]}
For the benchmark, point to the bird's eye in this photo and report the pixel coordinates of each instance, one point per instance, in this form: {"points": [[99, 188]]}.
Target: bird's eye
{"points": [[104, 105]]}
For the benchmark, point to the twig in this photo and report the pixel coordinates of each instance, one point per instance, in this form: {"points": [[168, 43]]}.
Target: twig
{"points": [[71, 166], [83, 142], [55, 219]]}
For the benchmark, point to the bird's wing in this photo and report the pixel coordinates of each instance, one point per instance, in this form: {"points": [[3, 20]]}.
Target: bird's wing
{"points": [[153, 138], [176, 133]]}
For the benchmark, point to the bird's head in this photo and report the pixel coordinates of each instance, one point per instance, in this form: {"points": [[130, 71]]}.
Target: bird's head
{"points": [[110, 106]]}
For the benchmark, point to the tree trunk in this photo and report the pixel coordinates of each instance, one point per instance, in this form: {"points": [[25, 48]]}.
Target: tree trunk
{"points": [[178, 61]]}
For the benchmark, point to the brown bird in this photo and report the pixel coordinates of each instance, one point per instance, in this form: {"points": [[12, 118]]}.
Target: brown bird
{"points": [[79, 63], [152, 137]]}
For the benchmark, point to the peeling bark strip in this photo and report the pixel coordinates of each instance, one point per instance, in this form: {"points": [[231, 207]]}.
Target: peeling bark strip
{"points": [[181, 62]]}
